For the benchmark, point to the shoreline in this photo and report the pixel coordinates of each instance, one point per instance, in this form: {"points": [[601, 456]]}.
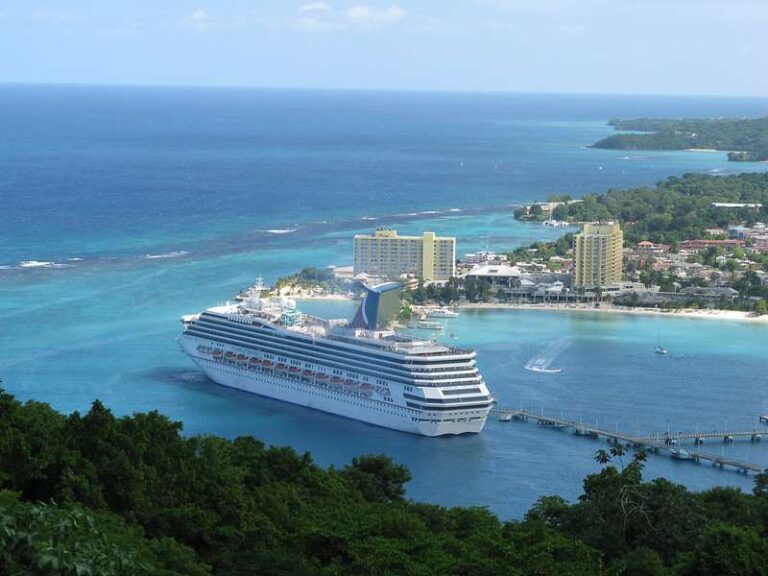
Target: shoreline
{"points": [[703, 314], [336, 297], [706, 314]]}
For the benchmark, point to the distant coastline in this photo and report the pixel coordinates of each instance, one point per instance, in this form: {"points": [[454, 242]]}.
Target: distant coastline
{"points": [[743, 139]]}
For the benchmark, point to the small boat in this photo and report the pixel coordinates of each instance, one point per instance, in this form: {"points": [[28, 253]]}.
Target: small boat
{"points": [[442, 313], [660, 350], [453, 335], [678, 453], [427, 325], [308, 373]]}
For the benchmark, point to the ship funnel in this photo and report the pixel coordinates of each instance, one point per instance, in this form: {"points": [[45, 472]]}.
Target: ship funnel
{"points": [[379, 306]]}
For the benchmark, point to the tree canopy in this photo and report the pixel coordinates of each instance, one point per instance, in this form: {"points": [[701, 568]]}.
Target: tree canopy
{"points": [[98, 494]]}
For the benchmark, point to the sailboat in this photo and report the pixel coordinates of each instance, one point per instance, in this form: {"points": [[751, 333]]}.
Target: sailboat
{"points": [[660, 350]]}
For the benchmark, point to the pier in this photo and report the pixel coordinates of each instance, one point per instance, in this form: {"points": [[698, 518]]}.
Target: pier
{"points": [[666, 443]]}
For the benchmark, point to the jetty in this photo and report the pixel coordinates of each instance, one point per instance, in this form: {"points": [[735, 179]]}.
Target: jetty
{"points": [[666, 443]]}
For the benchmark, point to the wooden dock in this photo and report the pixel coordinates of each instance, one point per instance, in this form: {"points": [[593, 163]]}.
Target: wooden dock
{"points": [[753, 435], [667, 443]]}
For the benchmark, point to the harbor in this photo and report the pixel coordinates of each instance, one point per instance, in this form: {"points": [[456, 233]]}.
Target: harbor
{"points": [[666, 443]]}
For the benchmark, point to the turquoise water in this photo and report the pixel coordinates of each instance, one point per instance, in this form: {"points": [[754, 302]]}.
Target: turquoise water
{"points": [[167, 199]]}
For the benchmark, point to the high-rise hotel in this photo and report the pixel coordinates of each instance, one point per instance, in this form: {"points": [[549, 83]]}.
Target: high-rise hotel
{"points": [[598, 255], [384, 253]]}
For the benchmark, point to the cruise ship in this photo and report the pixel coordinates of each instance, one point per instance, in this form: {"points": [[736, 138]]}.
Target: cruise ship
{"points": [[358, 369]]}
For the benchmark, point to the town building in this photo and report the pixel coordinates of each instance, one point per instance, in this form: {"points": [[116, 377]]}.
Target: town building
{"points": [[484, 257], [428, 257], [697, 245], [598, 256]]}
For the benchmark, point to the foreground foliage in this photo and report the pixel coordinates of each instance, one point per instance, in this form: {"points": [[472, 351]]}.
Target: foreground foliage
{"points": [[97, 494]]}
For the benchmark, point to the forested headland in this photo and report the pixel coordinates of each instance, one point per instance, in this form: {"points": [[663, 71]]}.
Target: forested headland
{"points": [[675, 209], [96, 494], [744, 139]]}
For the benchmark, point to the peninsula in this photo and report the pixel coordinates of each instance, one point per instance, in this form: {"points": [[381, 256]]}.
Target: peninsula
{"points": [[745, 139]]}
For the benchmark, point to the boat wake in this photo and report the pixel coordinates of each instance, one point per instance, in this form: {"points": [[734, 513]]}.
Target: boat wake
{"points": [[281, 230], [174, 254], [543, 361]]}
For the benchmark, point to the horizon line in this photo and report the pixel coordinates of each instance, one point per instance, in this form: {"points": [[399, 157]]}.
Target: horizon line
{"points": [[495, 92]]}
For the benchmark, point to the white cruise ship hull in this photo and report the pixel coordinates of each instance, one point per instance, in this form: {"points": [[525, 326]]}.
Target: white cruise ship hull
{"points": [[327, 398]]}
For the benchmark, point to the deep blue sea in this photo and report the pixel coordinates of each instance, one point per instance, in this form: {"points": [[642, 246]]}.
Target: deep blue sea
{"points": [[124, 208]]}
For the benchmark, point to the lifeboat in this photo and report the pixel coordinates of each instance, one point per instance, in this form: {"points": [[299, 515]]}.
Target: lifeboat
{"points": [[242, 357], [267, 364], [281, 367], [294, 369], [322, 376], [366, 389], [218, 353], [337, 380], [254, 360], [308, 373]]}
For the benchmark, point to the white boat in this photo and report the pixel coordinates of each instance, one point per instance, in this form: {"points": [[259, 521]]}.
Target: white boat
{"points": [[660, 350], [442, 313], [427, 325], [359, 369]]}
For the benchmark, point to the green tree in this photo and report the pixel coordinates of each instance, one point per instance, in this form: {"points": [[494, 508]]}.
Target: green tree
{"points": [[378, 478], [728, 551]]}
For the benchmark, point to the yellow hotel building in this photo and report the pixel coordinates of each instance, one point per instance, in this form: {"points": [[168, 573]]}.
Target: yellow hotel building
{"points": [[598, 255], [384, 253]]}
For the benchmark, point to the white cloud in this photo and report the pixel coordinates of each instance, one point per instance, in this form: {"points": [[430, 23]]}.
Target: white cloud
{"points": [[46, 14], [199, 18], [362, 14], [314, 7], [319, 17]]}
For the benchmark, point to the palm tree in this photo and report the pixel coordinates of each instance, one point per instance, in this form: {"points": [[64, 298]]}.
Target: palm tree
{"points": [[618, 451], [602, 457]]}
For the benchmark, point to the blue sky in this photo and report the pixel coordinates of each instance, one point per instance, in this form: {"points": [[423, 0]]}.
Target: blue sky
{"points": [[594, 46]]}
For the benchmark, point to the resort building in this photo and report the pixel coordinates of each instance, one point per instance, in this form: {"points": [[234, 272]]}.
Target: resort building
{"points": [[428, 257], [598, 256]]}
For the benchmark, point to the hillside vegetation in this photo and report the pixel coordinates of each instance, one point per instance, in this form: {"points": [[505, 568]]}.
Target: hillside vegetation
{"points": [[677, 208], [94, 494]]}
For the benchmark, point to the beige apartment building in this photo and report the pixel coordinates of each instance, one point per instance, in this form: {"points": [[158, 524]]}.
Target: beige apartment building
{"points": [[598, 256], [384, 253]]}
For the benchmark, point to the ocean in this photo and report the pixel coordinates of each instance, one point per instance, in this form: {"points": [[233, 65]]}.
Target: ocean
{"points": [[124, 208]]}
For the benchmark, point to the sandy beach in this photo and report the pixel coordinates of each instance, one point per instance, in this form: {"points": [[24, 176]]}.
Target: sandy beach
{"points": [[732, 315], [608, 309], [319, 297]]}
